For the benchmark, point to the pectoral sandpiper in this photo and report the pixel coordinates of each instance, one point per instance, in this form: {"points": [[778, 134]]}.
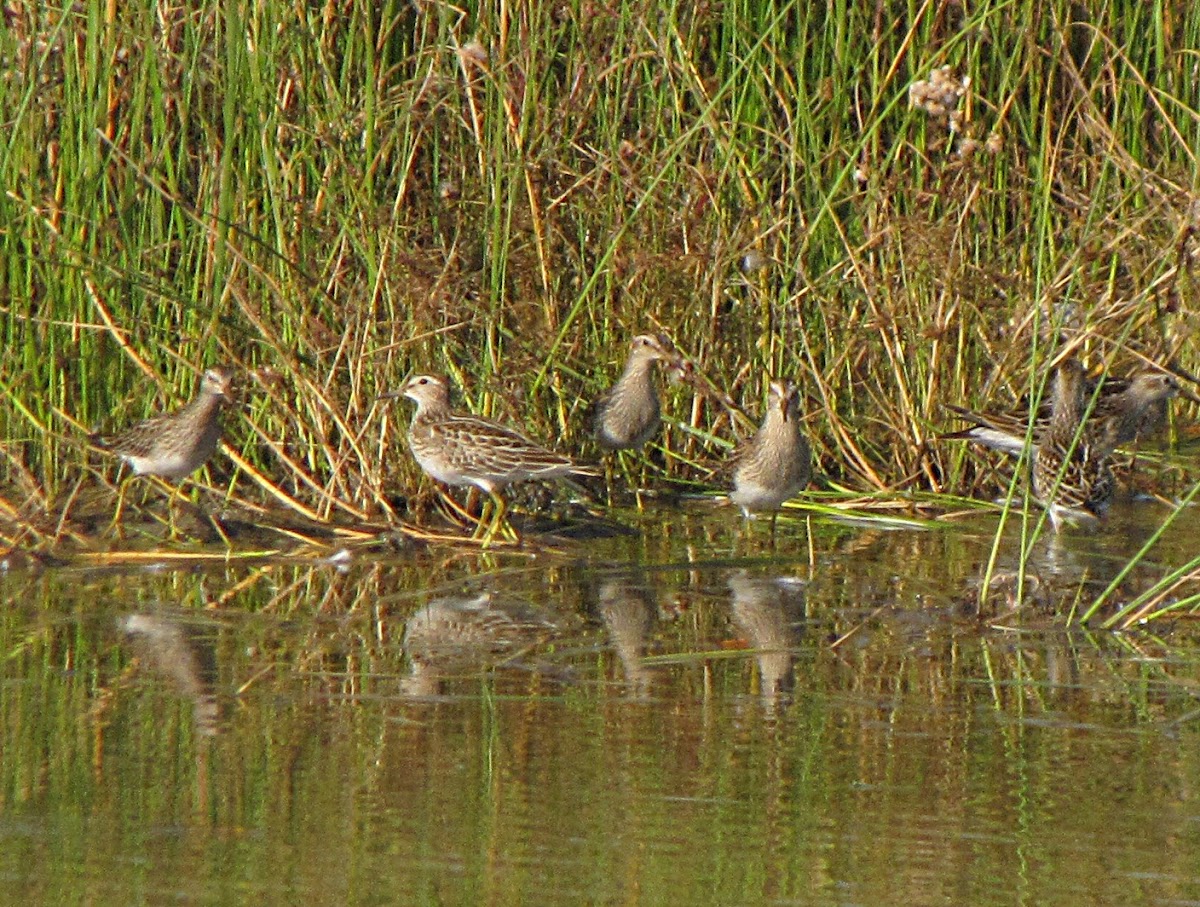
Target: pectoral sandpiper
{"points": [[1071, 474], [1132, 408], [174, 445], [776, 463], [463, 450], [627, 414]]}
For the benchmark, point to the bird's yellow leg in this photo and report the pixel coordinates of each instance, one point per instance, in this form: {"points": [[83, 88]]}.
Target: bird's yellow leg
{"points": [[502, 521], [483, 525], [172, 529], [115, 525], [499, 521]]}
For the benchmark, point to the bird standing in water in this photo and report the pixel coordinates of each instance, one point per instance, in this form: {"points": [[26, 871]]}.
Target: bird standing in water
{"points": [[775, 464], [1071, 473]]}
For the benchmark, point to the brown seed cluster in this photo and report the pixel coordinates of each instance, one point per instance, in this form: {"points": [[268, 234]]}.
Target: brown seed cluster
{"points": [[939, 95]]}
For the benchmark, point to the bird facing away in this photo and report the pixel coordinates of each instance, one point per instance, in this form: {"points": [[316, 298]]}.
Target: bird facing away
{"points": [[627, 415], [1129, 408], [462, 450], [776, 463], [1071, 475], [175, 445]]}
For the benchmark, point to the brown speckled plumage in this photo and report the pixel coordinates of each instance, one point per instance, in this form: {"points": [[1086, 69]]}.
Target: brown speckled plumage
{"points": [[461, 449], [1126, 409], [776, 463], [628, 414], [1071, 473], [465, 450], [176, 444]]}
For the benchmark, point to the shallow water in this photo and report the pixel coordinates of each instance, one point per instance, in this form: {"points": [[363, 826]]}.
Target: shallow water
{"points": [[688, 713]]}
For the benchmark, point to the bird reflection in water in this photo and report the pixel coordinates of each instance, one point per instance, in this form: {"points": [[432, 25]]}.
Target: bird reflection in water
{"points": [[184, 654], [769, 611], [627, 610], [465, 635]]}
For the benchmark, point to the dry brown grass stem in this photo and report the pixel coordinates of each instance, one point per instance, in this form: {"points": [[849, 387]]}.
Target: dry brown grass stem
{"points": [[277, 493], [1182, 586]]}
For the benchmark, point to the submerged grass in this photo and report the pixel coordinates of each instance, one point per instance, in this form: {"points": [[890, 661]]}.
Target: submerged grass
{"points": [[332, 199]]}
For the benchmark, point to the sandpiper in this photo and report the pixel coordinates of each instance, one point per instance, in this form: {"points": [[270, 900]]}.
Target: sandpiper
{"points": [[1071, 474], [627, 414], [776, 463], [174, 445], [1137, 407], [1130, 408], [462, 450]]}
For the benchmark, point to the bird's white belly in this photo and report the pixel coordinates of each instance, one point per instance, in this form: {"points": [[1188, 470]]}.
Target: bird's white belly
{"points": [[754, 496], [445, 472], [173, 466]]}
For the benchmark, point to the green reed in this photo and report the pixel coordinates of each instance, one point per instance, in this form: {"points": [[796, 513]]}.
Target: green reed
{"points": [[508, 194]]}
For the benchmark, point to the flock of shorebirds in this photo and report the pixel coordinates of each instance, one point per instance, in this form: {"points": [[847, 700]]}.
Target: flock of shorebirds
{"points": [[1070, 438]]}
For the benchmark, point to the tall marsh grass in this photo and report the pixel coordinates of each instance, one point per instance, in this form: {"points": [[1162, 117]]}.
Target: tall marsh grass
{"points": [[334, 195]]}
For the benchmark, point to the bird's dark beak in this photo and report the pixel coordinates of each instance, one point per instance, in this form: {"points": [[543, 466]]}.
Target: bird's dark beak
{"points": [[1187, 394], [783, 405], [392, 395]]}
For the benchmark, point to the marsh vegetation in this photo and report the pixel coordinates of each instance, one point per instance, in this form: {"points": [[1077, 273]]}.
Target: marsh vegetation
{"points": [[895, 206]]}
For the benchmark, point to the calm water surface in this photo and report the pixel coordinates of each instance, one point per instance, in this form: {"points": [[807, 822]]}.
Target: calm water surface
{"points": [[682, 715]]}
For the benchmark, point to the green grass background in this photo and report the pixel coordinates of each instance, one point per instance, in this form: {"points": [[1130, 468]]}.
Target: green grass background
{"points": [[334, 195]]}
